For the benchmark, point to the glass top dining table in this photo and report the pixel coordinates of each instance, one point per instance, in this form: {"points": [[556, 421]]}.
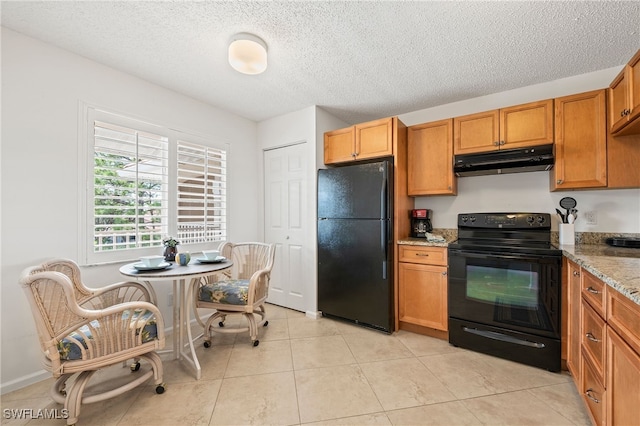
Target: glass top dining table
{"points": [[179, 275]]}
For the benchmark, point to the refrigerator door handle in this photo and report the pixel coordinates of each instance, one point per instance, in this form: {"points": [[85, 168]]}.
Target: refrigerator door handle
{"points": [[383, 193]]}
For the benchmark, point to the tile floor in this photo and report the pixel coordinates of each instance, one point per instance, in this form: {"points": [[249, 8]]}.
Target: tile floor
{"points": [[314, 372]]}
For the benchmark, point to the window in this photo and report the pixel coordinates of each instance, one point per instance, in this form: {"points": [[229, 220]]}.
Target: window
{"points": [[202, 193], [146, 182]]}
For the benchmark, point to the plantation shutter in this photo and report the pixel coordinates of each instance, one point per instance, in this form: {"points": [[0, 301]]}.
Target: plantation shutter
{"points": [[202, 193], [130, 187]]}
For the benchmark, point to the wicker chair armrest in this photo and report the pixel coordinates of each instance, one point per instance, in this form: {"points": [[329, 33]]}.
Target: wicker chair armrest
{"points": [[125, 291], [255, 280]]}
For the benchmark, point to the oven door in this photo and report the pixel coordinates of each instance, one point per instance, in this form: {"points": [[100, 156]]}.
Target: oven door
{"points": [[512, 291]]}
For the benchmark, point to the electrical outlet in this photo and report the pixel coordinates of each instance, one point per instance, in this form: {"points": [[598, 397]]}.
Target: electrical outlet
{"points": [[170, 299], [591, 217]]}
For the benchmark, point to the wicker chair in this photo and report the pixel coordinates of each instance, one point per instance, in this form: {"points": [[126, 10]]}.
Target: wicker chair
{"points": [[83, 330], [243, 289]]}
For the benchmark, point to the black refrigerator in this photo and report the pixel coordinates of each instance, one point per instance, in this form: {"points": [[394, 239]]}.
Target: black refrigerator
{"points": [[355, 244]]}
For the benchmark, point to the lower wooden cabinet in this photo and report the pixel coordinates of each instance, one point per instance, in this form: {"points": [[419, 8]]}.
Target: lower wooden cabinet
{"points": [[603, 351], [623, 382], [422, 286]]}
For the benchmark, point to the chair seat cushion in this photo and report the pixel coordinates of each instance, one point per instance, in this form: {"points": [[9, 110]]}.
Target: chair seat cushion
{"points": [[230, 292], [68, 346]]}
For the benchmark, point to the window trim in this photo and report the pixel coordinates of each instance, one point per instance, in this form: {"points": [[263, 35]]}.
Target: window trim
{"points": [[87, 115]]}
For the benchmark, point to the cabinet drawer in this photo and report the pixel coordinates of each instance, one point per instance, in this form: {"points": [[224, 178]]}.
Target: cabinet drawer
{"points": [[623, 315], [592, 339], [424, 255], [594, 291], [593, 392]]}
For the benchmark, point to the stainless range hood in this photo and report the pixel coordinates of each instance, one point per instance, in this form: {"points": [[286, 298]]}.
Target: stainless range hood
{"points": [[519, 160]]}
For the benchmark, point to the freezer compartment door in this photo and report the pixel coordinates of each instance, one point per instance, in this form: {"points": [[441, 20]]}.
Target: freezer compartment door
{"points": [[359, 192], [355, 271]]}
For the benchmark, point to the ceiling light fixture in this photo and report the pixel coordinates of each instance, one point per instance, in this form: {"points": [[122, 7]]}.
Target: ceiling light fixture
{"points": [[248, 53]]}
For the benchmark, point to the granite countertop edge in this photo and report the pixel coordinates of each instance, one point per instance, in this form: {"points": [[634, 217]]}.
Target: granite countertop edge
{"points": [[617, 271]]}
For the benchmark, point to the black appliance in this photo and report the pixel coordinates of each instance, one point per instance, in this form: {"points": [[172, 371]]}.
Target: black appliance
{"points": [[355, 244], [504, 288], [420, 222], [504, 161]]}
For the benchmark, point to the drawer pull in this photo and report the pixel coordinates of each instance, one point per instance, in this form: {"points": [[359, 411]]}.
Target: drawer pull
{"points": [[576, 273], [592, 290], [422, 254], [592, 337], [588, 393]]}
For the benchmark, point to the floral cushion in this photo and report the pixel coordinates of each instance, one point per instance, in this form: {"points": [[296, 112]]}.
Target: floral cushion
{"points": [[230, 292], [68, 346]]}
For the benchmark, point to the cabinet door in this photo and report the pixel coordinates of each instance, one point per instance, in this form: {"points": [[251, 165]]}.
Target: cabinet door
{"points": [[634, 86], [526, 125], [623, 382], [430, 159], [423, 295], [574, 323], [339, 145], [374, 139], [581, 142], [618, 101], [476, 132]]}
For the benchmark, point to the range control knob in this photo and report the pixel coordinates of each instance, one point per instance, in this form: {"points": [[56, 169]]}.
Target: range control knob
{"points": [[464, 218], [472, 219], [530, 219], [540, 219]]}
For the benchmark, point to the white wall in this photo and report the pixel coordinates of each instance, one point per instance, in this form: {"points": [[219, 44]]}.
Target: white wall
{"points": [[41, 90], [617, 210], [307, 125]]}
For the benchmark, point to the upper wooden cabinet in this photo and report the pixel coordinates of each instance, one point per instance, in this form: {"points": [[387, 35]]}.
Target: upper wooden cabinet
{"points": [[580, 142], [519, 126], [360, 142], [624, 100], [430, 159]]}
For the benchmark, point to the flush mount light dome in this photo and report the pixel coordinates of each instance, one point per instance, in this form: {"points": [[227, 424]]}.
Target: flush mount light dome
{"points": [[248, 53]]}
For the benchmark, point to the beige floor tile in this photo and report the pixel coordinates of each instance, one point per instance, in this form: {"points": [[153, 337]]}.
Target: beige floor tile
{"points": [[213, 363], [277, 329], [564, 399], [404, 383], [182, 403], [421, 345], [268, 357], [334, 392], [266, 399], [445, 414], [35, 390], [301, 327], [380, 419], [462, 373], [514, 408], [275, 311], [324, 351], [507, 376], [376, 346]]}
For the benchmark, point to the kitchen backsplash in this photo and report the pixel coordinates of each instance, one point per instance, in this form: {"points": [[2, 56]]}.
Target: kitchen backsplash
{"points": [[581, 237], [594, 237]]}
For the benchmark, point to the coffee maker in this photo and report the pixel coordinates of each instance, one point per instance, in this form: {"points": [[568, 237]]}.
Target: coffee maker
{"points": [[420, 222]]}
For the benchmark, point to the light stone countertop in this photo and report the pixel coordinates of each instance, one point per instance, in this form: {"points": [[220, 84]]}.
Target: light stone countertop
{"points": [[617, 267]]}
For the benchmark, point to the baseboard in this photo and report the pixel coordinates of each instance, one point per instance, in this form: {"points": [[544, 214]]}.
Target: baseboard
{"points": [[24, 381], [313, 314]]}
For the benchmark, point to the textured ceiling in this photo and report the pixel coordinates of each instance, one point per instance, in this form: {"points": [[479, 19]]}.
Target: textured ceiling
{"points": [[357, 60]]}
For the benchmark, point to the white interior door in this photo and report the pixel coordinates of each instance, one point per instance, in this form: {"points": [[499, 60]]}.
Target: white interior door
{"points": [[286, 224]]}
